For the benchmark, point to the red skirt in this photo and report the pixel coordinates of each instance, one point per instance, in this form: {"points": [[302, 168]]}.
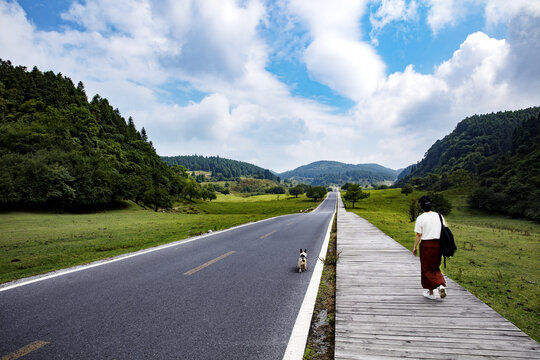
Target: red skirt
{"points": [[430, 261]]}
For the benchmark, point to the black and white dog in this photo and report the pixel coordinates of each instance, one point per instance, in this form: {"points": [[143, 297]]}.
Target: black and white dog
{"points": [[302, 261]]}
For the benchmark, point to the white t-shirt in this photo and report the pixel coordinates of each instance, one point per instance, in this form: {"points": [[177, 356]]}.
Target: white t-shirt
{"points": [[429, 225]]}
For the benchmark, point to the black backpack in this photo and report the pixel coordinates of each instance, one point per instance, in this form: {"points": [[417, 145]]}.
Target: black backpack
{"points": [[448, 245]]}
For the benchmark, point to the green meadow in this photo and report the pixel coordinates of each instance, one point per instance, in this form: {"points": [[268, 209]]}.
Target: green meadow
{"points": [[498, 258], [36, 243]]}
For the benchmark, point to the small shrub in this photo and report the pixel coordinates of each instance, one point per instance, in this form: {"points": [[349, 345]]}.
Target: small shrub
{"points": [[414, 210], [407, 189], [331, 259]]}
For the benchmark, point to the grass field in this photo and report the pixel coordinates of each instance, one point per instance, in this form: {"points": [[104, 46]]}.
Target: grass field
{"points": [[36, 243], [498, 258]]}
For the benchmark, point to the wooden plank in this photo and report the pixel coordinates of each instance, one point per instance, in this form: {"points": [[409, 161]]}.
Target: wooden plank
{"points": [[464, 336], [422, 350], [438, 341], [381, 313], [456, 348]]}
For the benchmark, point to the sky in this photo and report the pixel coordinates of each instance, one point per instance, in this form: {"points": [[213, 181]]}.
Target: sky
{"points": [[284, 83]]}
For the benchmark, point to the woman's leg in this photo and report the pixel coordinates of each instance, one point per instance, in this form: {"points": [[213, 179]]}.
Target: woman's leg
{"points": [[430, 261]]}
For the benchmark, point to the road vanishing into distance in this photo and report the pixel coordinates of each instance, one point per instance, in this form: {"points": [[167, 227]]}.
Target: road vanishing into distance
{"points": [[231, 295]]}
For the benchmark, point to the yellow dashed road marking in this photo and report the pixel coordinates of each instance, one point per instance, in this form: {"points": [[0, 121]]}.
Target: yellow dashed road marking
{"points": [[206, 264], [25, 350], [267, 235]]}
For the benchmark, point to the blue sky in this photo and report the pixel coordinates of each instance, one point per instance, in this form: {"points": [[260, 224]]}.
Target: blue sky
{"points": [[286, 82]]}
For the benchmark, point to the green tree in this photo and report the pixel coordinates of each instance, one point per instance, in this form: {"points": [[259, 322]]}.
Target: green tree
{"points": [[295, 191], [316, 192], [407, 189], [276, 190], [208, 193], [180, 171], [414, 210], [191, 190], [461, 178], [144, 136], [440, 203], [157, 196], [355, 194]]}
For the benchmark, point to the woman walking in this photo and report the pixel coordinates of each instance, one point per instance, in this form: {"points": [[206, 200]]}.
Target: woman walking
{"points": [[428, 233]]}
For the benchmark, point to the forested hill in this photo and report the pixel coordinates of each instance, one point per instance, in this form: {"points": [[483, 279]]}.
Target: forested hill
{"points": [[221, 168], [475, 139], [60, 151], [496, 157], [337, 173], [512, 183]]}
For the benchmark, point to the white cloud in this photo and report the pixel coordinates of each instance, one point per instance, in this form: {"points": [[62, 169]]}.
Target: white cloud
{"points": [[16, 33], [336, 55], [393, 10], [413, 110], [504, 10], [220, 41], [524, 68], [350, 67], [134, 51], [444, 12], [476, 73], [337, 18], [520, 74]]}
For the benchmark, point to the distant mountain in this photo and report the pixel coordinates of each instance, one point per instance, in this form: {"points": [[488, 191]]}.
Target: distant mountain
{"points": [[337, 173], [476, 139], [404, 172], [221, 168]]}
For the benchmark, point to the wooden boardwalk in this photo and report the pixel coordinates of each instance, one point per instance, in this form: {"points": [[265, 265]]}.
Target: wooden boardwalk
{"points": [[381, 313]]}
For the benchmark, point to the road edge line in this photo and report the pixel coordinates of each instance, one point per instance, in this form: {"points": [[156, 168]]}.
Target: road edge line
{"points": [[298, 339]]}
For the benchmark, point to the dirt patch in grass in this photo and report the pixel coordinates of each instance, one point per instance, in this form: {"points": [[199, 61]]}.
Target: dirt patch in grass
{"points": [[320, 344]]}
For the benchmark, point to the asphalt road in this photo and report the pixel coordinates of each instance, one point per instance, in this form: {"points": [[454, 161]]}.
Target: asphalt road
{"points": [[231, 295]]}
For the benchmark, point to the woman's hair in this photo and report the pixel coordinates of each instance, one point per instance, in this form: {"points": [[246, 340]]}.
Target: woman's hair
{"points": [[425, 203]]}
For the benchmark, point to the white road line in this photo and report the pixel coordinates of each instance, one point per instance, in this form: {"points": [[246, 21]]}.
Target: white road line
{"points": [[297, 341]]}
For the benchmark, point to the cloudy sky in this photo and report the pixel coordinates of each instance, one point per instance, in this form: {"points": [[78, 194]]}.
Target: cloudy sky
{"points": [[283, 83]]}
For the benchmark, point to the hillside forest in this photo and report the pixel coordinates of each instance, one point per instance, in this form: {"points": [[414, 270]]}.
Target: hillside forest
{"points": [[59, 151], [222, 169], [496, 157]]}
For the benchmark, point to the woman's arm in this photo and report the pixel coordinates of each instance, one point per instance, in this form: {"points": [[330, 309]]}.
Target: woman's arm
{"points": [[416, 242]]}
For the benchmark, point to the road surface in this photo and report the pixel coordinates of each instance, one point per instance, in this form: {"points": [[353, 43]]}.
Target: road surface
{"points": [[232, 295]]}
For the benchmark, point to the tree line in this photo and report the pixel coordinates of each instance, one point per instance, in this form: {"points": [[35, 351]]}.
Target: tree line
{"points": [[59, 151], [222, 169]]}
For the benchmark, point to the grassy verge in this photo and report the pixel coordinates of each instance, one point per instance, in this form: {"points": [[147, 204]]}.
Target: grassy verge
{"points": [[497, 258], [36, 243], [320, 344]]}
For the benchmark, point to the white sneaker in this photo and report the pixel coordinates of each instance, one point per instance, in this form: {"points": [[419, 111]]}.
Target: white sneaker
{"points": [[430, 296], [442, 291]]}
